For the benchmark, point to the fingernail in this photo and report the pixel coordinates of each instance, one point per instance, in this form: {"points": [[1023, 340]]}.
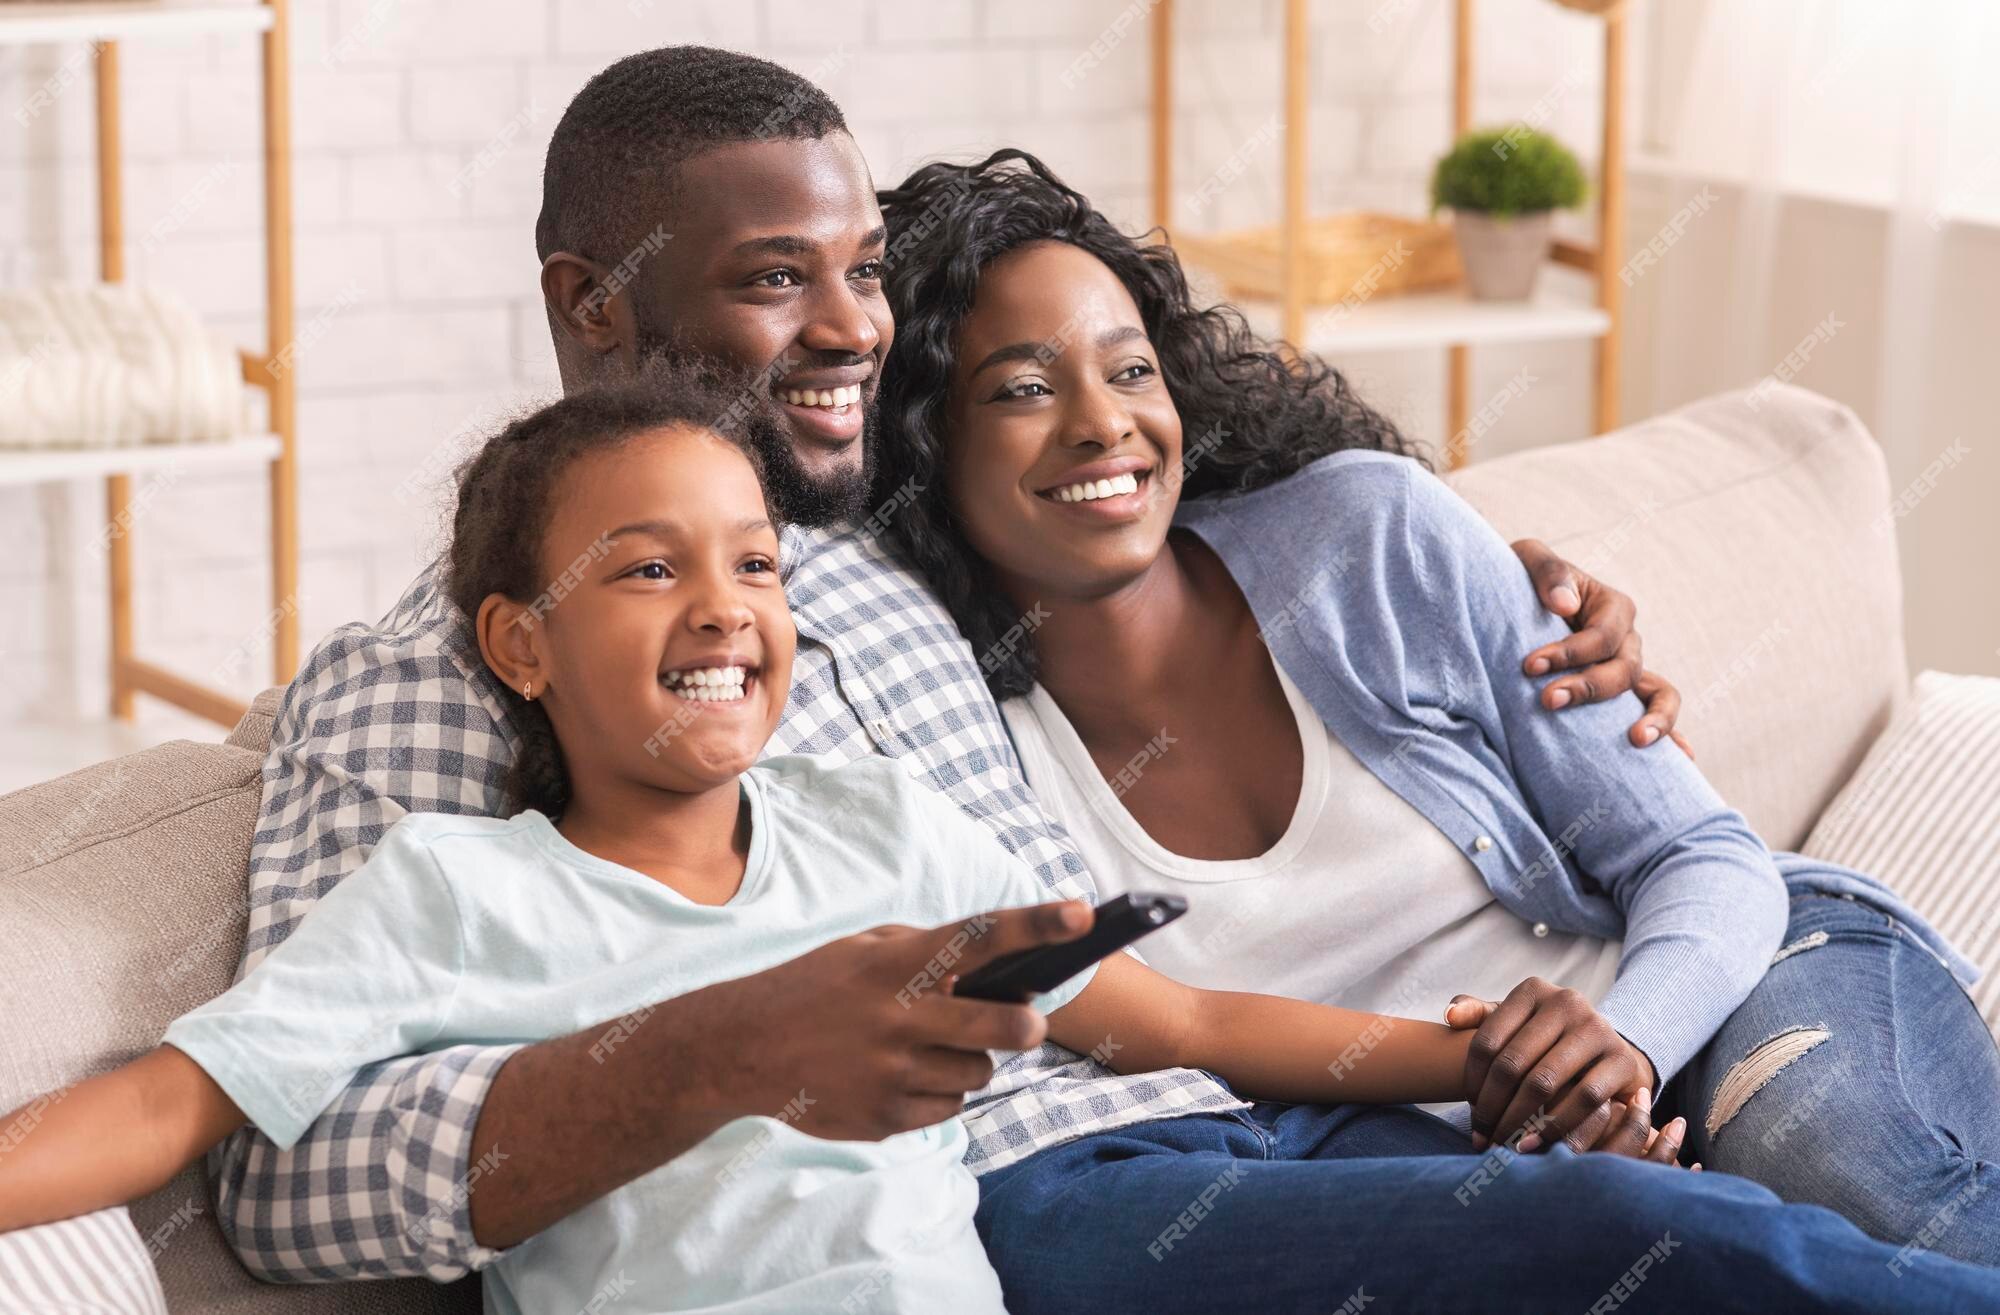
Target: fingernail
{"points": [[1650, 734], [1695, 1167], [1538, 666], [1529, 1143], [1559, 699], [1644, 1100], [1567, 598]]}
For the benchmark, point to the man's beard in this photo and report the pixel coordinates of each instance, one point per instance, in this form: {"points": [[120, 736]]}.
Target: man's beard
{"points": [[798, 495]]}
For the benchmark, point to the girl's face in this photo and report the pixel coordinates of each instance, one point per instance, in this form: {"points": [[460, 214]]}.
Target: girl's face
{"points": [[1063, 461], [662, 645]]}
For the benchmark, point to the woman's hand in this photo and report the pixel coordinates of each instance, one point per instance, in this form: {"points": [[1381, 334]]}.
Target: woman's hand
{"points": [[1603, 653], [1544, 1053], [1622, 1128]]}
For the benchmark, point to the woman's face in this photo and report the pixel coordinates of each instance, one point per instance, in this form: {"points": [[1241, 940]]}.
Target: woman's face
{"points": [[663, 640], [1063, 457]]}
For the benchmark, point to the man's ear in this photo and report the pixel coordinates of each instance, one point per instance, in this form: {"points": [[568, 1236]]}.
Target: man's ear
{"points": [[510, 641], [583, 307]]}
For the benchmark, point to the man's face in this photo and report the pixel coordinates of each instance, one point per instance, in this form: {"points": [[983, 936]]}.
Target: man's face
{"points": [[775, 267]]}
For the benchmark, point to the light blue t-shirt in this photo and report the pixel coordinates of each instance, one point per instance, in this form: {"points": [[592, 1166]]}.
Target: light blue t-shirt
{"points": [[465, 930]]}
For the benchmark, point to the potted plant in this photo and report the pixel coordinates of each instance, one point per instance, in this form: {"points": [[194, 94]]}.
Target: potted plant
{"points": [[1502, 186]]}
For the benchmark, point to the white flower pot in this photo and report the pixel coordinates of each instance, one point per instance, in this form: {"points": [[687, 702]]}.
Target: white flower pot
{"points": [[1502, 256]]}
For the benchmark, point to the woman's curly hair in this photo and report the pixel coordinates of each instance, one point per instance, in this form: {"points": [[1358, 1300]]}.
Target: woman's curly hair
{"points": [[507, 498], [1251, 413]]}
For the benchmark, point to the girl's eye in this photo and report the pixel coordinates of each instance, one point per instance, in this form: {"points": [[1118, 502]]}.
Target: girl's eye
{"points": [[650, 570], [1024, 388], [1136, 370], [777, 278], [760, 565], [870, 269]]}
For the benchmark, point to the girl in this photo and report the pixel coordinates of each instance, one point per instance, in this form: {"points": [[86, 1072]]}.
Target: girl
{"points": [[1364, 804], [619, 560]]}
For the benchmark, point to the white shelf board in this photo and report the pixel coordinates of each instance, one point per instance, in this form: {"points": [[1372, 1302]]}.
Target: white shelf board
{"points": [[41, 466], [1436, 319], [117, 20]]}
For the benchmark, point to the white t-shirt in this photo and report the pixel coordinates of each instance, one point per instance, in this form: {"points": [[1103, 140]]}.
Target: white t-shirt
{"points": [[475, 930], [1362, 902]]}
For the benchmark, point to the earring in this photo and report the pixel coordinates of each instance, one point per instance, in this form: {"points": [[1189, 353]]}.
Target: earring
{"points": [[528, 690]]}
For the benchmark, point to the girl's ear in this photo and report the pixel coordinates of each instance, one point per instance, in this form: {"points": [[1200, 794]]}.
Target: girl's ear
{"points": [[510, 641]]}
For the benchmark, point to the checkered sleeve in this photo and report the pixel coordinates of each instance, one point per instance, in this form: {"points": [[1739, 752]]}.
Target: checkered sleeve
{"points": [[384, 720]]}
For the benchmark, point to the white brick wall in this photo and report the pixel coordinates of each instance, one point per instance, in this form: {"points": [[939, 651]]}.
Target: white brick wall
{"points": [[433, 327]]}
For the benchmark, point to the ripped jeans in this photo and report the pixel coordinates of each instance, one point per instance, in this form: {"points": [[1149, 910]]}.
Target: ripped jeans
{"points": [[1857, 1076]]}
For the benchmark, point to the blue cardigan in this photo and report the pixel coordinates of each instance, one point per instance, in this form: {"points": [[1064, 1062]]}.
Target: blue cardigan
{"points": [[1403, 618]]}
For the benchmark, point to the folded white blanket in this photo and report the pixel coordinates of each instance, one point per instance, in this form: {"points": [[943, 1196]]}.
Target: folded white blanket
{"points": [[112, 365]]}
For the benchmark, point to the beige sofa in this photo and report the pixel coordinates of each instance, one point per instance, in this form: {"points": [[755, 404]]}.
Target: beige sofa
{"points": [[1747, 530]]}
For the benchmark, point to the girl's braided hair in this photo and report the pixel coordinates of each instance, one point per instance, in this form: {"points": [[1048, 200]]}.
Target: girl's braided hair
{"points": [[506, 499]]}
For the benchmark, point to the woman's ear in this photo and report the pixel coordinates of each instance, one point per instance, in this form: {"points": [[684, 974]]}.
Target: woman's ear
{"points": [[510, 641], [582, 306]]}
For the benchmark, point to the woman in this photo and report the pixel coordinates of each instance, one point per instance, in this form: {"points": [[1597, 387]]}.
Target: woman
{"points": [[1271, 660]]}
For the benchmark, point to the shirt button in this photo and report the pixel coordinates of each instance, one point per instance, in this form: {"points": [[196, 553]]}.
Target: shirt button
{"points": [[1541, 929], [883, 732], [1483, 843]]}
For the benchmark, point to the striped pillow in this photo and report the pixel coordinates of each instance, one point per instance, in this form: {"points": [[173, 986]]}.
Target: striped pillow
{"points": [[90, 1265], [1923, 814]]}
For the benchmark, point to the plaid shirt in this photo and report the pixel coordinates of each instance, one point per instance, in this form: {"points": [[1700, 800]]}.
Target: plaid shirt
{"points": [[404, 717]]}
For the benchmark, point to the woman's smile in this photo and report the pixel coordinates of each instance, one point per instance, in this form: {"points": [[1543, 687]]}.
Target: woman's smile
{"points": [[1116, 490]]}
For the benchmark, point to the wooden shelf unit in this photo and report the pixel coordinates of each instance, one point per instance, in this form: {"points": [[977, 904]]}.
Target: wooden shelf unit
{"points": [[106, 23], [1452, 320]]}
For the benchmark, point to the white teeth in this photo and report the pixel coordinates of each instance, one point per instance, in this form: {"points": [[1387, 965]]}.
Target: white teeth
{"points": [[832, 397], [1091, 490], [708, 684]]}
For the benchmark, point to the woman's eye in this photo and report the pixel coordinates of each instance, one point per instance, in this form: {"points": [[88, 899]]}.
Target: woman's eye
{"points": [[1025, 388], [777, 278], [870, 269], [1136, 370]]}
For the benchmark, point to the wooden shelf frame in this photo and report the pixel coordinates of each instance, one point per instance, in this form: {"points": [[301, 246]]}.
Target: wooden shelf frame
{"points": [[1600, 261], [106, 23]]}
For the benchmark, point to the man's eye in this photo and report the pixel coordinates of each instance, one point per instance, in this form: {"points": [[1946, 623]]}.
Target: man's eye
{"points": [[777, 278]]}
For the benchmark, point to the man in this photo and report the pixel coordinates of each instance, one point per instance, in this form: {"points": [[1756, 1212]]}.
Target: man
{"points": [[696, 200]]}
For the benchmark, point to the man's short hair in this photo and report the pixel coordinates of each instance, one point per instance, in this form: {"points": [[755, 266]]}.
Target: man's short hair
{"points": [[609, 176]]}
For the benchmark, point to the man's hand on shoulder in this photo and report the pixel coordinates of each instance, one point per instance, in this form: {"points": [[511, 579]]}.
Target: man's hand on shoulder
{"points": [[1602, 654]]}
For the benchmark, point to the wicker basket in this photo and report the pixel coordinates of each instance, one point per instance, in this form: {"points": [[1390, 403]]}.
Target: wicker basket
{"points": [[1355, 252]]}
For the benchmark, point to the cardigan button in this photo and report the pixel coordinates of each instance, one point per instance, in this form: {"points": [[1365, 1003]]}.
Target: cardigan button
{"points": [[1541, 929], [1483, 843]]}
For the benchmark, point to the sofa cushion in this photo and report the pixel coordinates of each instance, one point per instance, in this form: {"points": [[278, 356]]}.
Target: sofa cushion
{"points": [[122, 899], [94, 1262], [1923, 814], [1747, 528]]}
